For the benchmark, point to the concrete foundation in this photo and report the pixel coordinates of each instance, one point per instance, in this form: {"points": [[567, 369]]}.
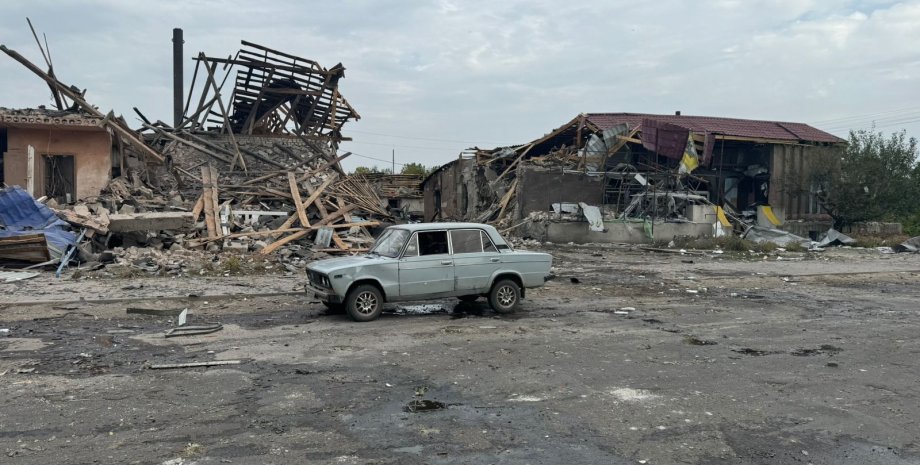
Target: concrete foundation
{"points": [[614, 232]]}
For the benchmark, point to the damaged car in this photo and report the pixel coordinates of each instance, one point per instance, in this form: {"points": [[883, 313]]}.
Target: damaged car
{"points": [[429, 261]]}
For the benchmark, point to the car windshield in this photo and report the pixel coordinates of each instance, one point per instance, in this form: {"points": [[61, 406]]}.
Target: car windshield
{"points": [[391, 242]]}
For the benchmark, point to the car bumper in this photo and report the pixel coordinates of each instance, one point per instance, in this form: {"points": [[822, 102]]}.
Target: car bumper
{"points": [[326, 295]]}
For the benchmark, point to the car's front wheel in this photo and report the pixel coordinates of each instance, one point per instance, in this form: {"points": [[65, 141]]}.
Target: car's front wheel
{"points": [[504, 296], [364, 303]]}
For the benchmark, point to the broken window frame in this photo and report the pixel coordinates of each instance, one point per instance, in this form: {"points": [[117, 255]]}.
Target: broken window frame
{"points": [[454, 242]]}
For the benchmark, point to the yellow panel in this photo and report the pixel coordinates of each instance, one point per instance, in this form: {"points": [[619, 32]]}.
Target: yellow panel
{"points": [[768, 212], [722, 218]]}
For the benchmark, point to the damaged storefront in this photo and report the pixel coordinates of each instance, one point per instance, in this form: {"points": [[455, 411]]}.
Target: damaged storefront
{"points": [[652, 177]]}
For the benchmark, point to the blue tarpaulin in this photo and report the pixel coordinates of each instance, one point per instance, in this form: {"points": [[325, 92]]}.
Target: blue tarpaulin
{"points": [[21, 215]]}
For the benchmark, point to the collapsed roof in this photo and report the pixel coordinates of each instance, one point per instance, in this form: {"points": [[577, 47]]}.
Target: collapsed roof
{"points": [[274, 93]]}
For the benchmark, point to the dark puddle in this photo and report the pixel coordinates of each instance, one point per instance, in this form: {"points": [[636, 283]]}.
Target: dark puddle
{"points": [[695, 341], [424, 405], [752, 352], [824, 349]]}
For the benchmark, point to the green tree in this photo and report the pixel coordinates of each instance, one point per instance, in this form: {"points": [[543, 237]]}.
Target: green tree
{"points": [[372, 170], [873, 178], [415, 168]]}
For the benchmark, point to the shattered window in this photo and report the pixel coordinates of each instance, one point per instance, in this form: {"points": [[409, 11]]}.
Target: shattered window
{"points": [[412, 247], [390, 243], [432, 242], [487, 245], [466, 241]]}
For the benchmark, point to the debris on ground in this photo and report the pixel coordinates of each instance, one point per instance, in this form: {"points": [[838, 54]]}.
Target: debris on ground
{"points": [[167, 366], [252, 171]]}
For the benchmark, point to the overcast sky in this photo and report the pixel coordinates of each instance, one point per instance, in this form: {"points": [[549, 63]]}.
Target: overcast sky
{"points": [[431, 78]]}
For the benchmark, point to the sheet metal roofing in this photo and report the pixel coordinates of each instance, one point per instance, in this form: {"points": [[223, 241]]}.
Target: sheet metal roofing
{"points": [[775, 130]]}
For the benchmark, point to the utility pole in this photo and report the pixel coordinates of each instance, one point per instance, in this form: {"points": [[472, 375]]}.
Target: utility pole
{"points": [[394, 162]]}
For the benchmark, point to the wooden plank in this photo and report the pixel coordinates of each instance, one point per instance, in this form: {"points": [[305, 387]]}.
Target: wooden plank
{"points": [[223, 110], [339, 242], [293, 237], [513, 164], [171, 136], [298, 203], [507, 199], [167, 366], [215, 203], [196, 210], [275, 245], [206, 199], [324, 167], [77, 98], [313, 198]]}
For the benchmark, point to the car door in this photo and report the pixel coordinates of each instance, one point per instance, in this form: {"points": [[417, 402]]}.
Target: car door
{"points": [[426, 266], [474, 260]]}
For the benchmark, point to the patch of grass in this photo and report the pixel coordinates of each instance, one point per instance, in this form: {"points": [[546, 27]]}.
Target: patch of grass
{"points": [[795, 247], [192, 450], [879, 241], [730, 243], [232, 264]]}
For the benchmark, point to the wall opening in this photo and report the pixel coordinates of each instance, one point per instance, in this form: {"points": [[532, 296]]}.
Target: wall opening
{"points": [[464, 199], [436, 214], [60, 178], [3, 148]]}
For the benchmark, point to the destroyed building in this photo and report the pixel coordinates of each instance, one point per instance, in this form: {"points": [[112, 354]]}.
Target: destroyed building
{"points": [[58, 154], [651, 177], [249, 163], [402, 193]]}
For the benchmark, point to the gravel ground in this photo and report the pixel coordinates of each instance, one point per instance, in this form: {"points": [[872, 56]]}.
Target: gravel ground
{"points": [[629, 356]]}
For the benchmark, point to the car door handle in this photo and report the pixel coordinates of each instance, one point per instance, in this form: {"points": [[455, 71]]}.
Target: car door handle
{"points": [[447, 262], [495, 260]]}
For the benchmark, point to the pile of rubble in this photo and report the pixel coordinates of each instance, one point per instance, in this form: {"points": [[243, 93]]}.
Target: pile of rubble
{"points": [[253, 170]]}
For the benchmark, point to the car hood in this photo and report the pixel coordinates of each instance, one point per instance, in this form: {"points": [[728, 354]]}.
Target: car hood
{"points": [[337, 264]]}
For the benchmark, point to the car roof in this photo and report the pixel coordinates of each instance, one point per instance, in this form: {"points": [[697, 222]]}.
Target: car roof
{"points": [[434, 226]]}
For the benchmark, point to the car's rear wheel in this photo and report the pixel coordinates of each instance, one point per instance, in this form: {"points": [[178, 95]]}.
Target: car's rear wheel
{"points": [[364, 303], [469, 298], [504, 296]]}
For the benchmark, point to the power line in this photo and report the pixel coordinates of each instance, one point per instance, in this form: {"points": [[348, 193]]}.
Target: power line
{"points": [[424, 138], [402, 146], [880, 122], [378, 159], [864, 116]]}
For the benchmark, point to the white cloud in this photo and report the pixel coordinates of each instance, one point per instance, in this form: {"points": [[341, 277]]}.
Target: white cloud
{"points": [[500, 72]]}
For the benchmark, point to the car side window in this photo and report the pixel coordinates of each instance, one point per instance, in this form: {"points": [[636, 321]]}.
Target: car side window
{"points": [[412, 247], [466, 241], [487, 245], [432, 242]]}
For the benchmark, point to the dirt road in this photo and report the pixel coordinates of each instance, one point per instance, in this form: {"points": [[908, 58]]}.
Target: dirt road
{"points": [[628, 357]]}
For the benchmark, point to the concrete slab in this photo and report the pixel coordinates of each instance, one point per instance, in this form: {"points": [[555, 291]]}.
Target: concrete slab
{"points": [[150, 221]]}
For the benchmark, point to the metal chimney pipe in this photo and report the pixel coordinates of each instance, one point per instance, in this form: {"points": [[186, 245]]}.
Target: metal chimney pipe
{"points": [[178, 110]]}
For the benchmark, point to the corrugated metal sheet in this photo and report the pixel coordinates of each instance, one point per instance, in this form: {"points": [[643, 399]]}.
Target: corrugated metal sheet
{"points": [[776, 130], [663, 138]]}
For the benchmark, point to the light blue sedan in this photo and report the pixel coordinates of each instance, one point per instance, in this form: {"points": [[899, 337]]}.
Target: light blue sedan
{"points": [[429, 261]]}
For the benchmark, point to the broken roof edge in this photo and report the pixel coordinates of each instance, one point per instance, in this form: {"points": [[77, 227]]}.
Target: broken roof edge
{"points": [[48, 117], [810, 136]]}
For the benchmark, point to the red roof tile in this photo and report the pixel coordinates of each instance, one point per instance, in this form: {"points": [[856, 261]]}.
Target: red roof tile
{"points": [[793, 132]]}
